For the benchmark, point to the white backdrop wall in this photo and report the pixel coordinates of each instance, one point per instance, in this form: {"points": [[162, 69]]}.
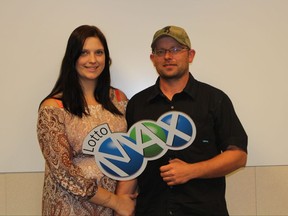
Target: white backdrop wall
{"points": [[241, 48]]}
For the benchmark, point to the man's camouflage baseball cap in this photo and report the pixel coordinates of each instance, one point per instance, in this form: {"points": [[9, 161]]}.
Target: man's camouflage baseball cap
{"points": [[178, 33]]}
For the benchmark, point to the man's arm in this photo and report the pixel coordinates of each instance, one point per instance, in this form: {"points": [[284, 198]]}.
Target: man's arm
{"points": [[179, 172], [126, 187]]}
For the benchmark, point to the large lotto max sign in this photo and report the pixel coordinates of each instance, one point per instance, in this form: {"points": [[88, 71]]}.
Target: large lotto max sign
{"points": [[124, 156]]}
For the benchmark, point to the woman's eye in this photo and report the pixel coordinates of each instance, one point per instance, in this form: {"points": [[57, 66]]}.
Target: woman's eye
{"points": [[99, 52], [84, 52]]}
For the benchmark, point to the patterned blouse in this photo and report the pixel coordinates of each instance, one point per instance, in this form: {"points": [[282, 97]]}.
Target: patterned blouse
{"points": [[71, 177]]}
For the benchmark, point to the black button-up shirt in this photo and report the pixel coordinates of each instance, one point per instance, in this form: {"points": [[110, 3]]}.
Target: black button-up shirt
{"points": [[217, 127]]}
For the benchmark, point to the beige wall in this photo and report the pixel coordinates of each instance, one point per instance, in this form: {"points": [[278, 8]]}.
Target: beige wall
{"points": [[250, 191], [241, 48]]}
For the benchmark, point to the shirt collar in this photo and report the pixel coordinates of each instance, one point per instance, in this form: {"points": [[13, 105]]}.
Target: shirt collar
{"points": [[190, 89], [156, 92]]}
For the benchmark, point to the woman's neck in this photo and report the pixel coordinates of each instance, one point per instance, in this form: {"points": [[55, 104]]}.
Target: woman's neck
{"points": [[88, 91]]}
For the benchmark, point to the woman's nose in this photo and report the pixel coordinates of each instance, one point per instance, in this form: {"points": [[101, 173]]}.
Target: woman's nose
{"points": [[92, 58]]}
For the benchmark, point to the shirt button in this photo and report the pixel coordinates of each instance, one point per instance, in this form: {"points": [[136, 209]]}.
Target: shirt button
{"points": [[170, 213], [172, 107]]}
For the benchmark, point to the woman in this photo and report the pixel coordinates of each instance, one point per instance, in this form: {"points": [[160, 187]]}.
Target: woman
{"points": [[81, 99]]}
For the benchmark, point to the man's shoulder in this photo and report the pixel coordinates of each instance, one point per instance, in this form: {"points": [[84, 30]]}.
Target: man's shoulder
{"points": [[143, 93], [210, 88]]}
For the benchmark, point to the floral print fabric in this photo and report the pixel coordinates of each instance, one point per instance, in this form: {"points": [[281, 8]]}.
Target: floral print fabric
{"points": [[71, 177]]}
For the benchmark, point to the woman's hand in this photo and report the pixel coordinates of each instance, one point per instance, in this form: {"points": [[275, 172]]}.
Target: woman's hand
{"points": [[125, 205]]}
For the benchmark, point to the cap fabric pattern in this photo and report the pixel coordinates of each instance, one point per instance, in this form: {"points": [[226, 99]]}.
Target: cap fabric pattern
{"points": [[178, 33]]}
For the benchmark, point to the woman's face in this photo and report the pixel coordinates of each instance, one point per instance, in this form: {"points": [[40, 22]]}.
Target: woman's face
{"points": [[91, 62]]}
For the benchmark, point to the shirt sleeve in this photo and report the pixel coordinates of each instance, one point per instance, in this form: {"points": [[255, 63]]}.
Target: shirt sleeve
{"points": [[229, 129], [58, 154]]}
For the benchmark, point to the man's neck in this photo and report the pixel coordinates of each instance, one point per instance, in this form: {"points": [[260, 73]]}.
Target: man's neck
{"points": [[170, 87]]}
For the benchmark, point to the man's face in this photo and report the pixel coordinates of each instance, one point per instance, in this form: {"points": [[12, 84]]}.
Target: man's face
{"points": [[170, 58]]}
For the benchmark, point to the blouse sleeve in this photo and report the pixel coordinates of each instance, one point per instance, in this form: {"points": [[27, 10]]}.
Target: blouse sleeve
{"points": [[120, 101], [58, 154]]}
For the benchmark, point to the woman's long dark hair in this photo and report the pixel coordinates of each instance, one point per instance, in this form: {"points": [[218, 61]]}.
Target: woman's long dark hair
{"points": [[68, 84]]}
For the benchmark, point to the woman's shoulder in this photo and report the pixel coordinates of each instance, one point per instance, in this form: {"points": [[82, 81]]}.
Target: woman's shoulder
{"points": [[52, 102], [118, 94]]}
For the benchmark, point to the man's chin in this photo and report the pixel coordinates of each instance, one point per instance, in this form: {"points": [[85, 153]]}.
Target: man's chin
{"points": [[170, 76]]}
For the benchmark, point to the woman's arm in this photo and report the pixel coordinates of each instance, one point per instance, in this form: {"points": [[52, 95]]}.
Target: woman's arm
{"points": [[57, 151], [122, 204], [58, 157]]}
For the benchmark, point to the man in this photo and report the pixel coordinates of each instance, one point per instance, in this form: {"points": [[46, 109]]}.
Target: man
{"points": [[190, 181]]}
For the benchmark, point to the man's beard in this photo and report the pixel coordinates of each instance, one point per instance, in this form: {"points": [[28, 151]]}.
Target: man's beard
{"points": [[166, 76]]}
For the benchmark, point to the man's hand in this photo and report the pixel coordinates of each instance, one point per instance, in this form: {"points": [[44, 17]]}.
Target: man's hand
{"points": [[176, 172]]}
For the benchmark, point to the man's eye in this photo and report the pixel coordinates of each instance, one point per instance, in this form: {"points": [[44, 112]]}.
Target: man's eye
{"points": [[176, 49], [160, 52]]}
